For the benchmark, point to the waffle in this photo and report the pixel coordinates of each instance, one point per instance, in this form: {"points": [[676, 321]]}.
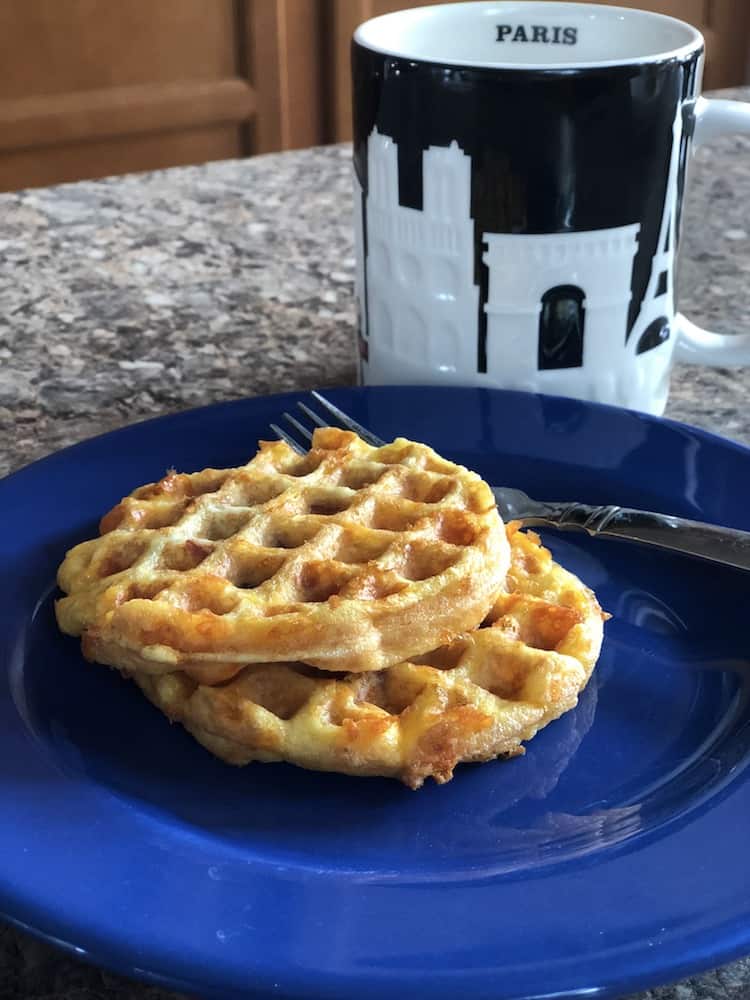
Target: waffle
{"points": [[348, 558], [476, 698]]}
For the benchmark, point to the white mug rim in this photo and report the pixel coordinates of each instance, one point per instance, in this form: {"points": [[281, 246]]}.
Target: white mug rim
{"points": [[695, 43]]}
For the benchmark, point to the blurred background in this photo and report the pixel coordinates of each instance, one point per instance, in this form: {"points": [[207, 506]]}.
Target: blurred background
{"points": [[96, 87]]}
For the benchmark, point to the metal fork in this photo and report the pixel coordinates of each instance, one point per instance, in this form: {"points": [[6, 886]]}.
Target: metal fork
{"points": [[726, 546]]}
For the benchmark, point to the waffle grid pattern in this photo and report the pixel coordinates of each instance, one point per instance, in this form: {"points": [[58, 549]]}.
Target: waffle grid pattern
{"points": [[344, 558], [478, 697]]}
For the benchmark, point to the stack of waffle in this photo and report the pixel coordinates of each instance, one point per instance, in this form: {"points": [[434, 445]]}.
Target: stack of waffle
{"points": [[356, 609]]}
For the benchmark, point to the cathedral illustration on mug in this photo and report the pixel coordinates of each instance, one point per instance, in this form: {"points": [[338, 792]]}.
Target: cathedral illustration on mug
{"points": [[553, 301]]}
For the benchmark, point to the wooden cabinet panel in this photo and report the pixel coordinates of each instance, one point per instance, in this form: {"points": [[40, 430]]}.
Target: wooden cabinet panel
{"points": [[75, 161], [93, 87], [727, 30], [113, 44], [725, 24], [283, 41], [89, 114]]}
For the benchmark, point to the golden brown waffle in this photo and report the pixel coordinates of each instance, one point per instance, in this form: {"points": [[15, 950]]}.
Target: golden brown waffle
{"points": [[476, 698], [348, 558]]}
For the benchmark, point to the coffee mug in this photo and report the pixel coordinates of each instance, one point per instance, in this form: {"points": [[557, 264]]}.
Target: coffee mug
{"points": [[519, 177]]}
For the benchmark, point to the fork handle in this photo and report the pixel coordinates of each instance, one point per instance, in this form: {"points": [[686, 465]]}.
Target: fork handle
{"points": [[727, 546]]}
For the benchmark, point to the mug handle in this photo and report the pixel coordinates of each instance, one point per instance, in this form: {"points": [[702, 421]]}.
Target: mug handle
{"points": [[695, 345]]}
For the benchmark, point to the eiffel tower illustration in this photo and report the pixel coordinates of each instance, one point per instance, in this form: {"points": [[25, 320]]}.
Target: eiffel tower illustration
{"points": [[651, 329]]}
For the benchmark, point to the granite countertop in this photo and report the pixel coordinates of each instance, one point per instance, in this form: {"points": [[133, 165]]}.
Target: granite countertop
{"points": [[146, 294]]}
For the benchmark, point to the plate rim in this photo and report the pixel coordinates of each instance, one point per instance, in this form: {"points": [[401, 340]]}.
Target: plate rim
{"points": [[611, 408]]}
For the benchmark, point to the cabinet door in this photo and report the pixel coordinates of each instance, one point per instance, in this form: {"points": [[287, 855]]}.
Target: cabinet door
{"points": [[95, 87], [724, 23], [90, 87]]}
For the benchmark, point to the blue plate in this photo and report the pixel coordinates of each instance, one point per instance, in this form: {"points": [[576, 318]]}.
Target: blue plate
{"points": [[611, 857]]}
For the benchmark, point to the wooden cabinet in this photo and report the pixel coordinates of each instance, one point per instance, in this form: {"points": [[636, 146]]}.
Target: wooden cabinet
{"points": [[95, 87], [724, 23]]}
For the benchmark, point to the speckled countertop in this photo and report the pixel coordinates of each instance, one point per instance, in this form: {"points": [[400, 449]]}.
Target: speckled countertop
{"points": [[141, 295]]}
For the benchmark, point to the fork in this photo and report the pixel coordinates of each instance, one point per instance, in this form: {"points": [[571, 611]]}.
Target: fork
{"points": [[727, 546]]}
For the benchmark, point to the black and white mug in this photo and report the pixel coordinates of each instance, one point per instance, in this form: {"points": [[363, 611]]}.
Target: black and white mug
{"points": [[519, 177]]}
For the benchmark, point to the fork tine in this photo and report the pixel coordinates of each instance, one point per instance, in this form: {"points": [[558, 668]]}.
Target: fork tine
{"points": [[348, 422], [283, 436], [312, 415], [300, 428]]}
